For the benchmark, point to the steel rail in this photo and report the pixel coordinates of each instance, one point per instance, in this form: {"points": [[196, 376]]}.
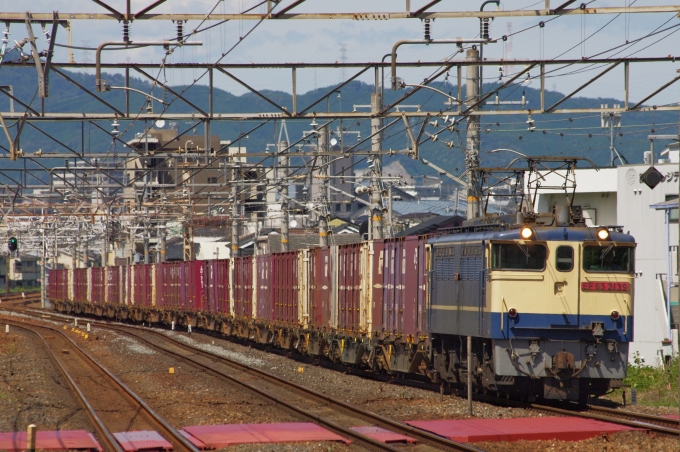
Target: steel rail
{"points": [[153, 416], [645, 424], [420, 435], [641, 417], [364, 440], [103, 433]]}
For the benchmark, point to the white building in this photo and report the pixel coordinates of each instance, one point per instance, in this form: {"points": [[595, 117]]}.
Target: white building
{"points": [[617, 197]]}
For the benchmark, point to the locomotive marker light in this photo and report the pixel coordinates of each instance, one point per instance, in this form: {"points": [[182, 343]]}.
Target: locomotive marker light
{"points": [[512, 312], [603, 234], [615, 315], [527, 233]]}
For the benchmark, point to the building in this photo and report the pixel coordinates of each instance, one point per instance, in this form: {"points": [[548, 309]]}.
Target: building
{"points": [[24, 271]]}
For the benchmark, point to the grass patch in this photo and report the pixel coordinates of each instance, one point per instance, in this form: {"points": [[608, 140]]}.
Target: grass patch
{"points": [[15, 290], [655, 386]]}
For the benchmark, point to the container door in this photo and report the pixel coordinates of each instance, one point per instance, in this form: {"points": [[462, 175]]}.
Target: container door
{"points": [[410, 275], [378, 284]]}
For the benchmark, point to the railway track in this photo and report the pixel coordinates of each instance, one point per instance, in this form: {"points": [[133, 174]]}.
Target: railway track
{"points": [[642, 418], [656, 424], [108, 403], [25, 297], [274, 388]]}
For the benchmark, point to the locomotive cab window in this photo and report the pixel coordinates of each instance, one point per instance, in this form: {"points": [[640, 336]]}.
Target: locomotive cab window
{"points": [[564, 259], [515, 256], [608, 259]]}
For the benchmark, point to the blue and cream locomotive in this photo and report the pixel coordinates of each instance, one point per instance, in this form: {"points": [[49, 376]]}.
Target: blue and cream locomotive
{"points": [[548, 303]]}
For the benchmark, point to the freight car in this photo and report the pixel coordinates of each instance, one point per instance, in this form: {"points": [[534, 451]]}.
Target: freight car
{"points": [[546, 301]]}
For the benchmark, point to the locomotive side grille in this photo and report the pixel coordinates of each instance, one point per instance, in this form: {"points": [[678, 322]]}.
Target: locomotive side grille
{"points": [[445, 269]]}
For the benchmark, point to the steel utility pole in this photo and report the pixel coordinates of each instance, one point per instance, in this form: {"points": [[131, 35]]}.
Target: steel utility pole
{"points": [[611, 121], [105, 240], [74, 256], [376, 171], [162, 235], [323, 171], [147, 256], [234, 211], [472, 136], [43, 273], [86, 252], [282, 177]]}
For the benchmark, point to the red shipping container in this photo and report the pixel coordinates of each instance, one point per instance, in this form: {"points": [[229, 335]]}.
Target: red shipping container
{"points": [[424, 271], [195, 284], [128, 284], [243, 286], [349, 286], [58, 285], [210, 286], [320, 287], [223, 298], [284, 290], [262, 280], [403, 280], [217, 286], [80, 285], [169, 285], [97, 285], [142, 283], [52, 285], [112, 275], [377, 288]]}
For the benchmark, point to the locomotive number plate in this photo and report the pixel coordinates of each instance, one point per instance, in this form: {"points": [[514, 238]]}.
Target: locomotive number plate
{"points": [[606, 286]]}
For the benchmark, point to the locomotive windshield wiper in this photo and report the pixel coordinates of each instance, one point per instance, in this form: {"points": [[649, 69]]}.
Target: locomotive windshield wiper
{"points": [[524, 250], [604, 253]]}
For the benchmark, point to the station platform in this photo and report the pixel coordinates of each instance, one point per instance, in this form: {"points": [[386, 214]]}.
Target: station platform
{"points": [[382, 435], [516, 429], [142, 440], [51, 440], [218, 436]]}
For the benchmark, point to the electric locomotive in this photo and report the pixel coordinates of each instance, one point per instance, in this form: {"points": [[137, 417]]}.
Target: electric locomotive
{"points": [[547, 301]]}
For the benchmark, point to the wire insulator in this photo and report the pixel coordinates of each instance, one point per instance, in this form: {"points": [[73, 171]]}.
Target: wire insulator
{"points": [[126, 31], [485, 28], [427, 30], [180, 31]]}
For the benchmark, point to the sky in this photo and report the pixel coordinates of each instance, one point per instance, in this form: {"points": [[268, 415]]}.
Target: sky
{"points": [[369, 41]]}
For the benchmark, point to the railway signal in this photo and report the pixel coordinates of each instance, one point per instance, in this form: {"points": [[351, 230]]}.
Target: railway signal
{"points": [[12, 244]]}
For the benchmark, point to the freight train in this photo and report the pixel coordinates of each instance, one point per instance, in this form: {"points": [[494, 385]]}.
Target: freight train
{"points": [[547, 301]]}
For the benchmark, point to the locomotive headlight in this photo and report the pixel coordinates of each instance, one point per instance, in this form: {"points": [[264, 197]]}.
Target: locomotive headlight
{"points": [[603, 234], [526, 233], [512, 312], [615, 315]]}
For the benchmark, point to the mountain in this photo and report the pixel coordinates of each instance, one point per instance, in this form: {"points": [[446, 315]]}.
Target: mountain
{"points": [[578, 135]]}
